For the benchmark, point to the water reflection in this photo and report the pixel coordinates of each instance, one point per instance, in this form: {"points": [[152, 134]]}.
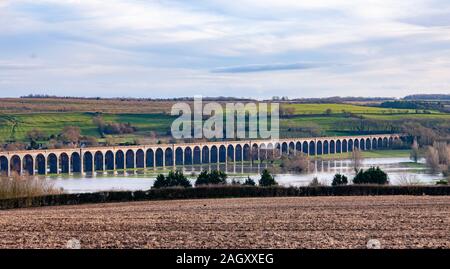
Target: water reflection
{"points": [[398, 170]]}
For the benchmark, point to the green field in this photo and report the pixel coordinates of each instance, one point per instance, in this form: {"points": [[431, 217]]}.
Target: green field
{"points": [[308, 120], [16, 126]]}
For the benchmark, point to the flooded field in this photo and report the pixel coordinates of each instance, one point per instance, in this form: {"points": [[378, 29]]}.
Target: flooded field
{"points": [[401, 170]]}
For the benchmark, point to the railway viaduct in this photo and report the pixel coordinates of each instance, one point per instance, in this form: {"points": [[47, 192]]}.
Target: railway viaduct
{"points": [[92, 159]]}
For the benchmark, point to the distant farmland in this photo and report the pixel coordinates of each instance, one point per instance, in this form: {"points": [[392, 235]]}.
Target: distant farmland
{"points": [[51, 115], [33, 105], [342, 108], [16, 126]]}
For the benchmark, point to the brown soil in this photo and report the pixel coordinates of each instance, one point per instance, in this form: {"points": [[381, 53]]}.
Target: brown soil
{"points": [[303, 222]]}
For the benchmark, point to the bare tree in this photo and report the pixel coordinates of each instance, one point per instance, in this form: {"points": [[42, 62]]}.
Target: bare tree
{"points": [[297, 163], [425, 136], [15, 146], [89, 141], [35, 134], [432, 159], [70, 134], [356, 159], [414, 155], [443, 151]]}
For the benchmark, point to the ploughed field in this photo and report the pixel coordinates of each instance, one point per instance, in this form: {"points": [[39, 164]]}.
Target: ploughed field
{"points": [[300, 222]]}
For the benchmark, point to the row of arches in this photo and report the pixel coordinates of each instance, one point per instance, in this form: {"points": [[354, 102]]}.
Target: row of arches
{"points": [[102, 160]]}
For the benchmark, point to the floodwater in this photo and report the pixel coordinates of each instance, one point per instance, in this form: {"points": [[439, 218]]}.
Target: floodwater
{"points": [[399, 170]]}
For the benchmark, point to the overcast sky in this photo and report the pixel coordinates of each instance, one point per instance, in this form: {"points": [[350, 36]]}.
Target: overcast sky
{"points": [[245, 48]]}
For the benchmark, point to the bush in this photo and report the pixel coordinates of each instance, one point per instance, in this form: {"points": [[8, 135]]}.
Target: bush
{"points": [[35, 135], [160, 182], [211, 178], [235, 182], [112, 127], [249, 182], [173, 179], [119, 128], [315, 183], [89, 141], [267, 179], [339, 180], [371, 176]]}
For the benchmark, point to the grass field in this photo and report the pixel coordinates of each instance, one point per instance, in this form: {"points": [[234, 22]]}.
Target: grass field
{"points": [[18, 116], [15, 126]]}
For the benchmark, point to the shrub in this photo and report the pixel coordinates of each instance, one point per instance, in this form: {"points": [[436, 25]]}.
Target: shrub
{"points": [[173, 179], [235, 182], [371, 176], [249, 182], [211, 178], [160, 182], [315, 183], [119, 128], [112, 127], [34, 135], [90, 141], [339, 180], [267, 179]]}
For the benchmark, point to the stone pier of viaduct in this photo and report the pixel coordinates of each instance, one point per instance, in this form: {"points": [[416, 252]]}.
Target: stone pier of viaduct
{"points": [[91, 159]]}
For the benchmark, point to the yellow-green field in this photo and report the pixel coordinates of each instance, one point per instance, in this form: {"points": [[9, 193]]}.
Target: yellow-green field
{"points": [[341, 108]]}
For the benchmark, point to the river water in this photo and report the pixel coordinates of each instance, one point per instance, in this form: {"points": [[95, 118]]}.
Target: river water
{"points": [[399, 170]]}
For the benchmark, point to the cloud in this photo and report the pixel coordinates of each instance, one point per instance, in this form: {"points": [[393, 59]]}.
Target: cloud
{"points": [[256, 47], [264, 67], [18, 66]]}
